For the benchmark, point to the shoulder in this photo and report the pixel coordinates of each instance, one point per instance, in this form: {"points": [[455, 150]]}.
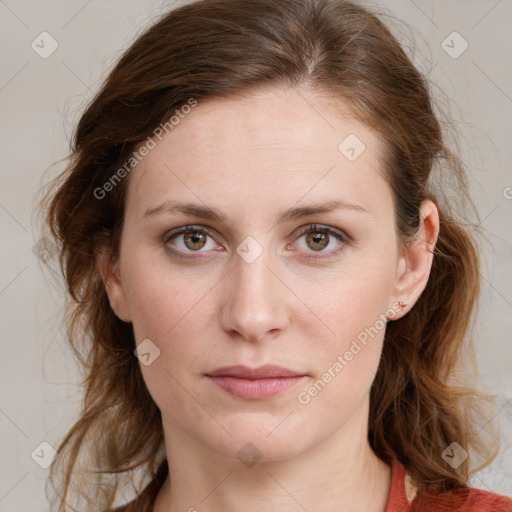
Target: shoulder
{"points": [[404, 497], [462, 500]]}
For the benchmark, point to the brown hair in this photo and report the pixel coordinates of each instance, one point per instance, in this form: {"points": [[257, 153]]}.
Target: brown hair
{"points": [[214, 49]]}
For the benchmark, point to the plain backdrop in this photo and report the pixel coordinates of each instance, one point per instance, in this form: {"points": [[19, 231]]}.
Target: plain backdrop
{"points": [[463, 45]]}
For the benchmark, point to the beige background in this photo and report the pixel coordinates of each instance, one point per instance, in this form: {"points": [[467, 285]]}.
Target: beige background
{"points": [[41, 100]]}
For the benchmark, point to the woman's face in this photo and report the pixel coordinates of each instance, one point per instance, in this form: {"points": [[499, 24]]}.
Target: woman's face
{"points": [[247, 286]]}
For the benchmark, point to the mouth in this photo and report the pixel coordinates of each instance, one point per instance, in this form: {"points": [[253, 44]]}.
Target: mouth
{"points": [[255, 383]]}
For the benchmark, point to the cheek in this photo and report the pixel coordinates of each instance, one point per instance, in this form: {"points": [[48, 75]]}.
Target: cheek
{"points": [[354, 308], [175, 314], [345, 363], [354, 300], [155, 298], [170, 313]]}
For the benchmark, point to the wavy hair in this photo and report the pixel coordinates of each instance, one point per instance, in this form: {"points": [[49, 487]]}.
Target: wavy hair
{"points": [[215, 49]]}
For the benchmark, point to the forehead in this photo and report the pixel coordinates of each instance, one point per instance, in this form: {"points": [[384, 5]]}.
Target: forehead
{"points": [[274, 144]]}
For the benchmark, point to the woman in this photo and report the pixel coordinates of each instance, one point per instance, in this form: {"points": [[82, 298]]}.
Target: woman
{"points": [[269, 297]]}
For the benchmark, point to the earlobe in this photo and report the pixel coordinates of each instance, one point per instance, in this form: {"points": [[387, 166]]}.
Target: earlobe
{"points": [[108, 267], [416, 260]]}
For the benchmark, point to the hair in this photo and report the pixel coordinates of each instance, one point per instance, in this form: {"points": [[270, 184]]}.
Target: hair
{"points": [[216, 49]]}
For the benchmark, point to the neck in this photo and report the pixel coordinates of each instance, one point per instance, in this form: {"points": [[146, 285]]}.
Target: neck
{"points": [[342, 471]]}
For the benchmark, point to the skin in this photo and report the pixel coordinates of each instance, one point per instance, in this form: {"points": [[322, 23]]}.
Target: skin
{"points": [[251, 157]]}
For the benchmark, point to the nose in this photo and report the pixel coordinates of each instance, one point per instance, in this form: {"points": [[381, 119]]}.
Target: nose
{"points": [[254, 305]]}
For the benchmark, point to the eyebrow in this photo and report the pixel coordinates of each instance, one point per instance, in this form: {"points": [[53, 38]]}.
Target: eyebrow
{"points": [[214, 215]]}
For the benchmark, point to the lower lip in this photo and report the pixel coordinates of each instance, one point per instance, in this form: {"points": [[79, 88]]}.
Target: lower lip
{"points": [[255, 389]]}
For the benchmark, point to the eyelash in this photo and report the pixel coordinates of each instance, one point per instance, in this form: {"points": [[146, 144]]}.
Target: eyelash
{"points": [[313, 228]]}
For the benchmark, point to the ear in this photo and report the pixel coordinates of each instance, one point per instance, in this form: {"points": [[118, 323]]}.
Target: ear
{"points": [[108, 267], [416, 260]]}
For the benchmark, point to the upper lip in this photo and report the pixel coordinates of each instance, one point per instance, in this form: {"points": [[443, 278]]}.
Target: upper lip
{"points": [[262, 372]]}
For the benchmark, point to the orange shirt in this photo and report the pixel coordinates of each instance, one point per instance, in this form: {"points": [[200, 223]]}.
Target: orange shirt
{"points": [[402, 498]]}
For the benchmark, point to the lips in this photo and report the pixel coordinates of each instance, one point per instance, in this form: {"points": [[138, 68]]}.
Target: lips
{"points": [[255, 383], [263, 372]]}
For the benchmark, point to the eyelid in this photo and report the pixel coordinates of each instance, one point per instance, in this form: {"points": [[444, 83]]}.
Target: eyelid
{"points": [[183, 229], [322, 227]]}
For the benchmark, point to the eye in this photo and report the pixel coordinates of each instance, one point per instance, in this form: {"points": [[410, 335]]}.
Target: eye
{"points": [[190, 239], [318, 237]]}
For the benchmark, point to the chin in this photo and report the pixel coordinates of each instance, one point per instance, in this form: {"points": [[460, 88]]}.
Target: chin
{"points": [[259, 440]]}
